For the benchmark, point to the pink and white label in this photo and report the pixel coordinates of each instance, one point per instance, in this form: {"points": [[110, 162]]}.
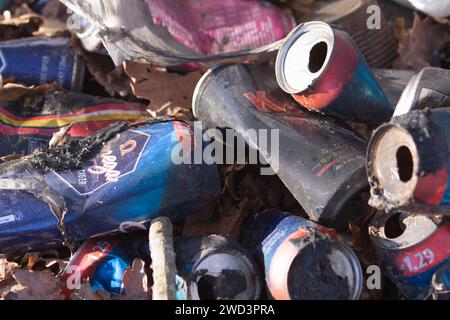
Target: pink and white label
{"points": [[218, 26]]}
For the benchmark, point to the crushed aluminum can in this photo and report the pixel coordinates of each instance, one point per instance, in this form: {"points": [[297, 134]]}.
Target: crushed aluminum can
{"points": [[428, 89], [217, 268], [121, 176], [411, 248], [408, 163], [162, 32], [27, 125], [315, 153], [302, 260], [102, 261], [321, 66], [47, 60]]}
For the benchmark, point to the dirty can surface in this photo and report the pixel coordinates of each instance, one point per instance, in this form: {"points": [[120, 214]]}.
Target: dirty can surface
{"points": [[302, 260], [411, 248], [130, 180]]}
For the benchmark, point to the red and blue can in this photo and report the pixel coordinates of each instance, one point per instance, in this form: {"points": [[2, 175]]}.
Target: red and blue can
{"points": [[302, 260], [323, 69], [102, 261], [411, 249]]}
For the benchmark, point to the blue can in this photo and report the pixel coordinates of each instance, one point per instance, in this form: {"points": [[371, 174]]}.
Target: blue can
{"points": [[129, 182], [290, 248], [40, 60], [103, 261]]}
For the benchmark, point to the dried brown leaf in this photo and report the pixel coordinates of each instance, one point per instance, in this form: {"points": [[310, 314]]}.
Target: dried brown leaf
{"points": [[12, 91], [5, 268], [164, 90], [34, 285], [418, 44]]}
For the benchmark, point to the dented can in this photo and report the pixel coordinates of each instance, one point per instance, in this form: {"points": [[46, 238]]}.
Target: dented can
{"points": [[102, 261], [408, 162], [321, 161], [27, 125], [217, 268], [302, 260], [128, 179], [321, 66], [411, 249], [47, 60]]}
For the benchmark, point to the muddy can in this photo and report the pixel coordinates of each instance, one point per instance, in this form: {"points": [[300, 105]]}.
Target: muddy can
{"points": [[302, 260], [47, 60], [27, 125], [119, 177], [408, 162], [321, 161], [411, 249], [323, 69], [217, 268]]}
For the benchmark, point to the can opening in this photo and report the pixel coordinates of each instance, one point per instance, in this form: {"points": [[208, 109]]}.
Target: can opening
{"points": [[405, 163], [205, 287], [317, 56], [313, 276], [393, 166], [394, 226]]}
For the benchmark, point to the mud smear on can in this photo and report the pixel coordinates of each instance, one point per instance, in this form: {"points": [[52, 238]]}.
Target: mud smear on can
{"points": [[417, 150], [312, 269]]}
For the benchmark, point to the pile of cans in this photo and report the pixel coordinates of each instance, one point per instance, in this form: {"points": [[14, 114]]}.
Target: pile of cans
{"points": [[98, 191]]}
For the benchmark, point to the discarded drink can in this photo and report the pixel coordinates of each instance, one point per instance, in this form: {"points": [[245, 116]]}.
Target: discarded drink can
{"points": [[302, 260], [411, 248], [27, 125], [321, 66], [320, 161], [428, 89], [121, 176], [217, 268], [47, 60], [408, 162], [102, 261]]}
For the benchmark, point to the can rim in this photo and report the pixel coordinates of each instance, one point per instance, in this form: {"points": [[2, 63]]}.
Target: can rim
{"points": [[201, 85], [240, 259], [327, 33]]}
